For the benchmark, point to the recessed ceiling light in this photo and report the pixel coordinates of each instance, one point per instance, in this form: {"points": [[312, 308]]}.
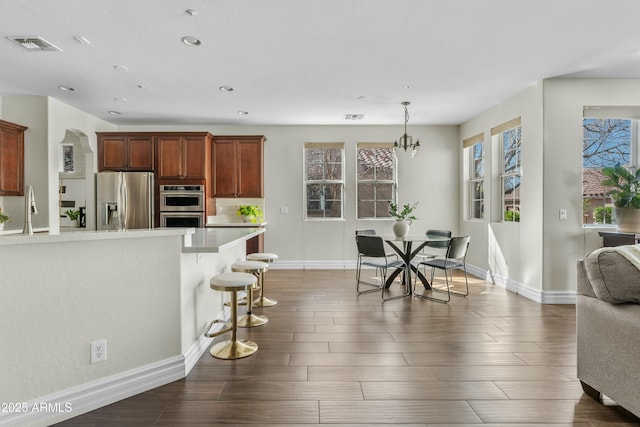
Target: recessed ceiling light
{"points": [[191, 41], [120, 67], [362, 97], [407, 87], [115, 113], [66, 88], [192, 12], [140, 86], [226, 88], [243, 113]]}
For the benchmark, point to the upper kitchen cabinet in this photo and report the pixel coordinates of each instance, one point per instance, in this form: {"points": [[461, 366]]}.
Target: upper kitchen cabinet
{"points": [[184, 156], [125, 152], [238, 166], [11, 159]]}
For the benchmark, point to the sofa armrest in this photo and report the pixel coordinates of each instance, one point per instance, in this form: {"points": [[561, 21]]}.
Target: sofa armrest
{"points": [[583, 286]]}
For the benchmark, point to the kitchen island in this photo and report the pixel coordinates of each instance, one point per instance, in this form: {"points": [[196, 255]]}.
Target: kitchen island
{"points": [[146, 292]]}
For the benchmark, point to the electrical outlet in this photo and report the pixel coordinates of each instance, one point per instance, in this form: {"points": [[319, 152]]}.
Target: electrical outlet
{"points": [[98, 351], [563, 214]]}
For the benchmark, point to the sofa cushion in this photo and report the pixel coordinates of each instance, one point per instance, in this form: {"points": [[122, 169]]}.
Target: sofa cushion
{"points": [[613, 277]]}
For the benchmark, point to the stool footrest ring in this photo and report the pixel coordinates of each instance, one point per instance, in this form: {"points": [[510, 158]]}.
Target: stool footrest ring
{"points": [[228, 328]]}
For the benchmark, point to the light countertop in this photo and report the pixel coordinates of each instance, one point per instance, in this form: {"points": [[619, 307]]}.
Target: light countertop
{"points": [[235, 224], [217, 239]]}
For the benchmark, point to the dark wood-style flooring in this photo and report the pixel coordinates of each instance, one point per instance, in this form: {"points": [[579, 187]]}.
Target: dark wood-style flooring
{"points": [[330, 357]]}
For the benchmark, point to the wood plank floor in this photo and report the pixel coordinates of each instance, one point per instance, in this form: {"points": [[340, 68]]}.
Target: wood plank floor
{"points": [[330, 357]]}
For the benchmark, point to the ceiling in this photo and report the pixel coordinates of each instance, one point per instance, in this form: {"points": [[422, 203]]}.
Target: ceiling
{"points": [[309, 62]]}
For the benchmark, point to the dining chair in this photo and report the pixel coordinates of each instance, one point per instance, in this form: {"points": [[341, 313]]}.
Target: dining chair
{"points": [[371, 253], [438, 248], [455, 258]]}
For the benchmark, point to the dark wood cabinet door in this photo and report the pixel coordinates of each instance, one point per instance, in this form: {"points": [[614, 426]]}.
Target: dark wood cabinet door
{"points": [[112, 153], [195, 161], [125, 152], [140, 153], [249, 168], [170, 158], [11, 159], [224, 168], [237, 166]]}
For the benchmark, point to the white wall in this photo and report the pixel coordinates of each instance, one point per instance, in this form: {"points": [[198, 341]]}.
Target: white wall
{"points": [[432, 179], [511, 252], [564, 99]]}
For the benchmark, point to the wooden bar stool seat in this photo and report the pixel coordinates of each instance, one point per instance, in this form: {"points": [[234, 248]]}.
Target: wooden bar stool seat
{"points": [[263, 301], [233, 282], [257, 268]]}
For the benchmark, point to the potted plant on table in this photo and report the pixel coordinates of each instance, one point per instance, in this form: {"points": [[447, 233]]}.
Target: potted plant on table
{"points": [[625, 195], [403, 217], [3, 218], [250, 213], [73, 217]]}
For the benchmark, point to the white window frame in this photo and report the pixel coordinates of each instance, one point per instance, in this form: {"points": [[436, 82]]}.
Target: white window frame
{"points": [[500, 132], [470, 145], [393, 181], [340, 182], [620, 114]]}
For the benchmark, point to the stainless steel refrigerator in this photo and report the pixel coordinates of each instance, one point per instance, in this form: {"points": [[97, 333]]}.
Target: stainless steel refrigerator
{"points": [[124, 200]]}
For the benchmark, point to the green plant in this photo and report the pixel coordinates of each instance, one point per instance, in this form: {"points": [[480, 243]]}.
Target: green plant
{"points": [[252, 211], [513, 216], [4, 218], [405, 213], [72, 214], [603, 215], [626, 186]]}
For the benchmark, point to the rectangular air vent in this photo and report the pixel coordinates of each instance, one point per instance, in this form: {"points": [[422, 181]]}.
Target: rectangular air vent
{"points": [[353, 116], [34, 43]]}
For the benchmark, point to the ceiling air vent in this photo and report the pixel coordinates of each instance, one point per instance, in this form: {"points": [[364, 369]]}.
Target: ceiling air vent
{"points": [[353, 116], [35, 43]]}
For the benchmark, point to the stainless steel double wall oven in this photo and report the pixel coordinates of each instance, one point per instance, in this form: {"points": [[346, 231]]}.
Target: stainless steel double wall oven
{"points": [[182, 206]]}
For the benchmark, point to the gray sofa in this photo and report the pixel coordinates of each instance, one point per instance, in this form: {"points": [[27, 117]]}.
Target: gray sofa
{"points": [[608, 327]]}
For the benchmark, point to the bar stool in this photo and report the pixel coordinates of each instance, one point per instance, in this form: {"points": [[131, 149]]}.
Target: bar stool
{"points": [[232, 349], [264, 257], [257, 268]]}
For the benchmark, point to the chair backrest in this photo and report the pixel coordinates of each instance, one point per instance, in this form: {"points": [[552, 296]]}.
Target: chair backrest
{"points": [[365, 232], [440, 233], [370, 246], [458, 247]]}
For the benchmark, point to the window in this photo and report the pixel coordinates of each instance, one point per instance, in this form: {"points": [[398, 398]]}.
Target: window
{"points": [[510, 137], [475, 147], [605, 142], [324, 180], [376, 179]]}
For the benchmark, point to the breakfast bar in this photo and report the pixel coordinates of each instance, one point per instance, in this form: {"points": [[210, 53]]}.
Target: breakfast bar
{"points": [[145, 293]]}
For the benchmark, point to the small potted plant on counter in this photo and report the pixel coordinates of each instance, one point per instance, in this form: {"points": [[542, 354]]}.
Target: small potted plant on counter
{"points": [[73, 215], [250, 213], [3, 218]]}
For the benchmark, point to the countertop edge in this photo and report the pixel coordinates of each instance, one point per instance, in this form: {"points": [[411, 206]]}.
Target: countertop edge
{"points": [[205, 240], [81, 236]]}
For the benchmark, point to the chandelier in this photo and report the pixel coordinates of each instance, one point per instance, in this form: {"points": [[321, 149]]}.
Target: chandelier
{"points": [[406, 141]]}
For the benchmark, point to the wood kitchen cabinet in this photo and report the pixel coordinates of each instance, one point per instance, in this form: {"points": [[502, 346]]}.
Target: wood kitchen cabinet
{"points": [[11, 159], [183, 156], [125, 152], [237, 166]]}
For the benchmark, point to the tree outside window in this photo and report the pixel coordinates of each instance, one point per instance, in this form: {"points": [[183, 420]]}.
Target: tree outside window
{"points": [[324, 182], [511, 173], [376, 180], [605, 142]]}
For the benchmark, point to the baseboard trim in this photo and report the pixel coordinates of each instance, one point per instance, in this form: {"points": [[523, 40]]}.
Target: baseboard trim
{"points": [[105, 391]]}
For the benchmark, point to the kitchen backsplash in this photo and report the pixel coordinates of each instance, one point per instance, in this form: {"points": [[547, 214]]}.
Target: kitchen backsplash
{"points": [[226, 209]]}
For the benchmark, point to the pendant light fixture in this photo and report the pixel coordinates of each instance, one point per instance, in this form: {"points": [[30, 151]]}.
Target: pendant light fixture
{"points": [[405, 142]]}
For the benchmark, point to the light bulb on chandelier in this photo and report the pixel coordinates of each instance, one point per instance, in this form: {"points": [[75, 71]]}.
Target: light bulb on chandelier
{"points": [[406, 141]]}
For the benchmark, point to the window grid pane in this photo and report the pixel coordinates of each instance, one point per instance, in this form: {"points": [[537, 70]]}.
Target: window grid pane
{"points": [[510, 176], [605, 142], [376, 182], [476, 182], [324, 182]]}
